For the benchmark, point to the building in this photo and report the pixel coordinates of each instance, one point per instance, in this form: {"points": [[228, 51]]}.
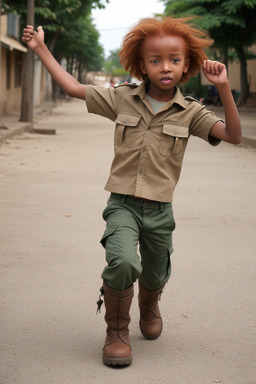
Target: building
{"points": [[234, 73], [12, 58]]}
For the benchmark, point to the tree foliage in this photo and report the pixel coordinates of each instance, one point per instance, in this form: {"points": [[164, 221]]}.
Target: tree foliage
{"points": [[113, 66], [231, 23], [69, 30]]}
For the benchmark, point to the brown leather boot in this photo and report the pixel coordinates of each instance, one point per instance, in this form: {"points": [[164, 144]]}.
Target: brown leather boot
{"points": [[117, 349], [151, 323]]}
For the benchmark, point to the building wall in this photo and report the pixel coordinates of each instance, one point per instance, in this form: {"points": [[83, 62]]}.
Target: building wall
{"points": [[10, 87], [251, 65], [11, 65], [234, 73], [2, 82]]}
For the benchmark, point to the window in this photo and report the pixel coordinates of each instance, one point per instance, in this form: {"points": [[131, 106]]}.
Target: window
{"points": [[13, 26]]}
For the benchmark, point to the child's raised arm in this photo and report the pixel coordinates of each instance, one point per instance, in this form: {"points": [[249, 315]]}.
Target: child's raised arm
{"points": [[216, 73], [35, 41]]}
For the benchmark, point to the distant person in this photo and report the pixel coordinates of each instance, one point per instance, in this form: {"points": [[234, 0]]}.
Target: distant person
{"points": [[213, 95], [153, 124]]}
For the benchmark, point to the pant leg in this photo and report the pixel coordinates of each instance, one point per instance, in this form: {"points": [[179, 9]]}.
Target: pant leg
{"points": [[156, 246], [120, 241]]}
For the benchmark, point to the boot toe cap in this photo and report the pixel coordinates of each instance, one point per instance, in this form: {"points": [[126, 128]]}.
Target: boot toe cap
{"points": [[151, 327], [117, 353]]}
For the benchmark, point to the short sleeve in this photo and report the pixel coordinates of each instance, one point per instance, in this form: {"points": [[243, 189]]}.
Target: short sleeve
{"points": [[101, 101], [202, 123]]}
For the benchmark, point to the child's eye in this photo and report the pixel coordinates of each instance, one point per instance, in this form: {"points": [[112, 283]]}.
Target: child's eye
{"points": [[176, 61], [155, 61]]}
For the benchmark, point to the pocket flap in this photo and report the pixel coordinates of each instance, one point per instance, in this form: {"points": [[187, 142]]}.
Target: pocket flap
{"points": [[175, 130], [128, 120], [108, 232]]}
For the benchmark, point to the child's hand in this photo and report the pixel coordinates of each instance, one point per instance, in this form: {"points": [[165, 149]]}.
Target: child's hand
{"points": [[31, 38], [215, 72]]}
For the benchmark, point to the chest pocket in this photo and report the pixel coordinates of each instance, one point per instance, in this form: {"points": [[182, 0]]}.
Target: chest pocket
{"points": [[173, 140], [126, 130]]}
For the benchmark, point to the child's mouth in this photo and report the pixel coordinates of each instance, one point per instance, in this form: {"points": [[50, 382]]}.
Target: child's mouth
{"points": [[166, 80]]}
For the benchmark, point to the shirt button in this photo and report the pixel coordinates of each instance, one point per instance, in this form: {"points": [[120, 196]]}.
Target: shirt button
{"points": [[144, 149], [140, 171]]}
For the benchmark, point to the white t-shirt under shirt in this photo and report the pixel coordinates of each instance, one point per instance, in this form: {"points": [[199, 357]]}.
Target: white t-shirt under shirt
{"points": [[155, 104]]}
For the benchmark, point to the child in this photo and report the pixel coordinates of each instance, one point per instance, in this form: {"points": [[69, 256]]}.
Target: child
{"points": [[153, 124]]}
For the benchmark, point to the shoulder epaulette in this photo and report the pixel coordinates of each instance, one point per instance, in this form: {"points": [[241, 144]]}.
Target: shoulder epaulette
{"points": [[190, 99], [131, 85]]}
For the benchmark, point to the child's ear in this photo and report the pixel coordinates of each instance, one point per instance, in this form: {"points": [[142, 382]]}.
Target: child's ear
{"points": [[186, 66], [142, 67]]}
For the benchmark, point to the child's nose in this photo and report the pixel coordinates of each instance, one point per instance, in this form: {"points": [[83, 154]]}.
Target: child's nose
{"points": [[166, 66]]}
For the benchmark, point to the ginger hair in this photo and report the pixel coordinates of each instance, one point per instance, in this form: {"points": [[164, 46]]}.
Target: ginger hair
{"points": [[196, 39]]}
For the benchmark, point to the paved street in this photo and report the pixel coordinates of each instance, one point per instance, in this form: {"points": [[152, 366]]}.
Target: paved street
{"points": [[51, 198]]}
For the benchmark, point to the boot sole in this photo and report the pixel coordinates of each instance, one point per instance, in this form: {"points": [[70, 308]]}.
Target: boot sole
{"points": [[117, 361]]}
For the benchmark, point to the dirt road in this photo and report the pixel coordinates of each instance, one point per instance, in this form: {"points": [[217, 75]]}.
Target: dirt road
{"points": [[51, 198]]}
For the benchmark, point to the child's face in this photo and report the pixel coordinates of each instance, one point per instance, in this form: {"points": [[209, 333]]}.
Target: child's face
{"points": [[164, 61]]}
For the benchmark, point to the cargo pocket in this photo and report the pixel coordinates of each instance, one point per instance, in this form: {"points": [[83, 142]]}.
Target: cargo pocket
{"points": [[169, 264], [125, 131], [107, 234], [174, 139]]}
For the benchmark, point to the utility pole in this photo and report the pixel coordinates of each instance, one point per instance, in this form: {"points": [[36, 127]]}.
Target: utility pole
{"points": [[28, 76]]}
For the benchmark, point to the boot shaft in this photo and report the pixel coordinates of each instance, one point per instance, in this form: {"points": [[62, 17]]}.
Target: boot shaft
{"points": [[151, 323], [117, 349], [117, 316], [148, 300]]}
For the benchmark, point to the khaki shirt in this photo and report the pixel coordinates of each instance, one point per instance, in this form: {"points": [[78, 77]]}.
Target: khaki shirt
{"points": [[149, 149]]}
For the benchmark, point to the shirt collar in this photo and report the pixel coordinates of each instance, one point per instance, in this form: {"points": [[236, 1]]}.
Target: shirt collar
{"points": [[178, 98]]}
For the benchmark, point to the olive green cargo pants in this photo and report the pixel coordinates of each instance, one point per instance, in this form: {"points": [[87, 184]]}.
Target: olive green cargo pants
{"points": [[131, 222]]}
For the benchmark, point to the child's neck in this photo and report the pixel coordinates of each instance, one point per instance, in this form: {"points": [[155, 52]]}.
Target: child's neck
{"points": [[164, 96]]}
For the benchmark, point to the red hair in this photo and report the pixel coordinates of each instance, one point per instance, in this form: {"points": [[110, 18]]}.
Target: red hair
{"points": [[196, 39]]}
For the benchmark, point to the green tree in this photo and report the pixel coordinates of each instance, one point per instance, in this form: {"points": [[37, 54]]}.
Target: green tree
{"points": [[231, 23], [69, 31], [113, 66], [89, 56]]}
